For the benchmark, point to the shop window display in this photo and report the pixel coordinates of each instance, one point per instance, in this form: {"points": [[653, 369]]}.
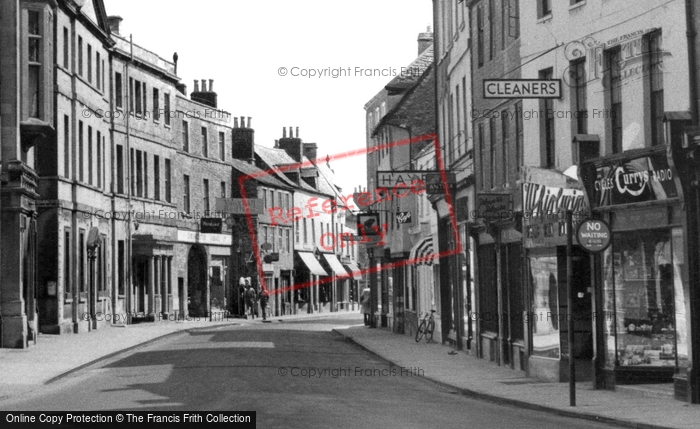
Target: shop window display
{"points": [[545, 305], [640, 286]]}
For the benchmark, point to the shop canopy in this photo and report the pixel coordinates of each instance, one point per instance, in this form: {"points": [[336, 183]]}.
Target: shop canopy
{"points": [[311, 263], [335, 265]]}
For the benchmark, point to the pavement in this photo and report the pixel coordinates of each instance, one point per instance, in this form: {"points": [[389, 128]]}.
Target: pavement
{"points": [[24, 371], [480, 378]]}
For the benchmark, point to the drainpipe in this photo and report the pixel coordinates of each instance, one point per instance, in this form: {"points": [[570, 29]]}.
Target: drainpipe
{"points": [[693, 83]]}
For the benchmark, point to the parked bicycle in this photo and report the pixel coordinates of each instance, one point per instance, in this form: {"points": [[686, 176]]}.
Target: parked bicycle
{"points": [[426, 327]]}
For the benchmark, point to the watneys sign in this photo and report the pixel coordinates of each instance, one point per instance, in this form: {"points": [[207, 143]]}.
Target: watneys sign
{"points": [[647, 178]]}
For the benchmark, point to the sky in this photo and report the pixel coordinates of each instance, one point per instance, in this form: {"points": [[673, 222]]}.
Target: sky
{"points": [[242, 46]]}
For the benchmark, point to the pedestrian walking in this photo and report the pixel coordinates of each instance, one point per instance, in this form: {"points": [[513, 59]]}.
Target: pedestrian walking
{"points": [[250, 301], [263, 304], [364, 302]]}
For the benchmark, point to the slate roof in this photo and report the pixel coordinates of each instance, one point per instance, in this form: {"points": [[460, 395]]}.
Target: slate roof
{"points": [[412, 74], [267, 179]]}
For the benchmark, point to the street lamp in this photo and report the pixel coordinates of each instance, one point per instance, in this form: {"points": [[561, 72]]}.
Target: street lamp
{"points": [[93, 243]]}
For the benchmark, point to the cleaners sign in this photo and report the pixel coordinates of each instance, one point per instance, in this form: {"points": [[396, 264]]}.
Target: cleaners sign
{"points": [[522, 88], [594, 235]]}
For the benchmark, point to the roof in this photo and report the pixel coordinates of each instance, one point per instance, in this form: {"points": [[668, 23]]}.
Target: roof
{"points": [[273, 158], [249, 169], [410, 76]]}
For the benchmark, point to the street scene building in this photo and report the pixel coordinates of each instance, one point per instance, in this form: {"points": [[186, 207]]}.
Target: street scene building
{"points": [[528, 204]]}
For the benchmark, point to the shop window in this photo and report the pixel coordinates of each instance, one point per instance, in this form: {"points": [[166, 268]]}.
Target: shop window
{"points": [[544, 320], [644, 299]]}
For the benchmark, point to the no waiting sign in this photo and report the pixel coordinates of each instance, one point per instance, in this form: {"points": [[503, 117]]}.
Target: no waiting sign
{"points": [[594, 235]]}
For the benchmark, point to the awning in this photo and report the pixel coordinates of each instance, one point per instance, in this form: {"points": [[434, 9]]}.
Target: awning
{"points": [[422, 253], [311, 263], [335, 265], [354, 270]]}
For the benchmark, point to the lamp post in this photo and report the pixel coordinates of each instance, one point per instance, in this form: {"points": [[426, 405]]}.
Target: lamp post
{"points": [[93, 243]]}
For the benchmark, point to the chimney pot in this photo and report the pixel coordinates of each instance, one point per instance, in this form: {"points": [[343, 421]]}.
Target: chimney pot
{"points": [[196, 85], [211, 85], [235, 122], [204, 85], [297, 134], [114, 22], [242, 122], [284, 132], [249, 126]]}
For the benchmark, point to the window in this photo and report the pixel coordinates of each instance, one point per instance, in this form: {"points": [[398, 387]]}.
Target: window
{"points": [[480, 35], [145, 97], [138, 97], [185, 136], [156, 105], [99, 159], [98, 71], [450, 132], [156, 177], [167, 181], [205, 189], [118, 90], [547, 126], [306, 236], [145, 175], [66, 146], [83, 279], [492, 140], [102, 75], [205, 143], [132, 172], [296, 232], [514, 18], [287, 241], [656, 86], [120, 169], [482, 153], [519, 134], [121, 257], [131, 95], [80, 55], [544, 274], [67, 264], [80, 150], [313, 231], [66, 47], [89, 63], [223, 190], [492, 19], [89, 155], [465, 139], [577, 77], [35, 63], [504, 22], [544, 8], [104, 155], [166, 107], [222, 147], [280, 240], [186, 195], [614, 71], [139, 174], [504, 139]]}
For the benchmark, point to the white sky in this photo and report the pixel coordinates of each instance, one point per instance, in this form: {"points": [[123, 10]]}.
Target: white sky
{"points": [[242, 45]]}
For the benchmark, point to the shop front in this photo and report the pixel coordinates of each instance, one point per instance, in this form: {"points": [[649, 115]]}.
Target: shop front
{"points": [[547, 195], [643, 278]]}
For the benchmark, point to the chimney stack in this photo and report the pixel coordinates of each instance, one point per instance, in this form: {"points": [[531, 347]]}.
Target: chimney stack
{"points": [[425, 40], [311, 151], [175, 58], [113, 22], [243, 138], [292, 145], [203, 96]]}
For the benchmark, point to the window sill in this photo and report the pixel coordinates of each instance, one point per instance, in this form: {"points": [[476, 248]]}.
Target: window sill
{"points": [[545, 19], [577, 5]]}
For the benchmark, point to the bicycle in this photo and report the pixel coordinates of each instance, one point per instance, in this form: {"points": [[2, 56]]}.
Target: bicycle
{"points": [[426, 327]]}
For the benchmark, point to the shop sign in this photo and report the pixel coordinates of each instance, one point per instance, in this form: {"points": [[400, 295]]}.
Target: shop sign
{"points": [[637, 180], [201, 238], [211, 225], [594, 235], [237, 205], [522, 88], [403, 218], [435, 185], [493, 207]]}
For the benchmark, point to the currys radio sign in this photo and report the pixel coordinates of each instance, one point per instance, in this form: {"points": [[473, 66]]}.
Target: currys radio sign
{"points": [[647, 178]]}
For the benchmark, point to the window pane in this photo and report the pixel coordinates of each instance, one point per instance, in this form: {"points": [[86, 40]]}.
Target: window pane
{"points": [[545, 306]]}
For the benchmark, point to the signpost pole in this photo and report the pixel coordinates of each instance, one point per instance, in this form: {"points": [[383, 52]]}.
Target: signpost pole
{"points": [[570, 306]]}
